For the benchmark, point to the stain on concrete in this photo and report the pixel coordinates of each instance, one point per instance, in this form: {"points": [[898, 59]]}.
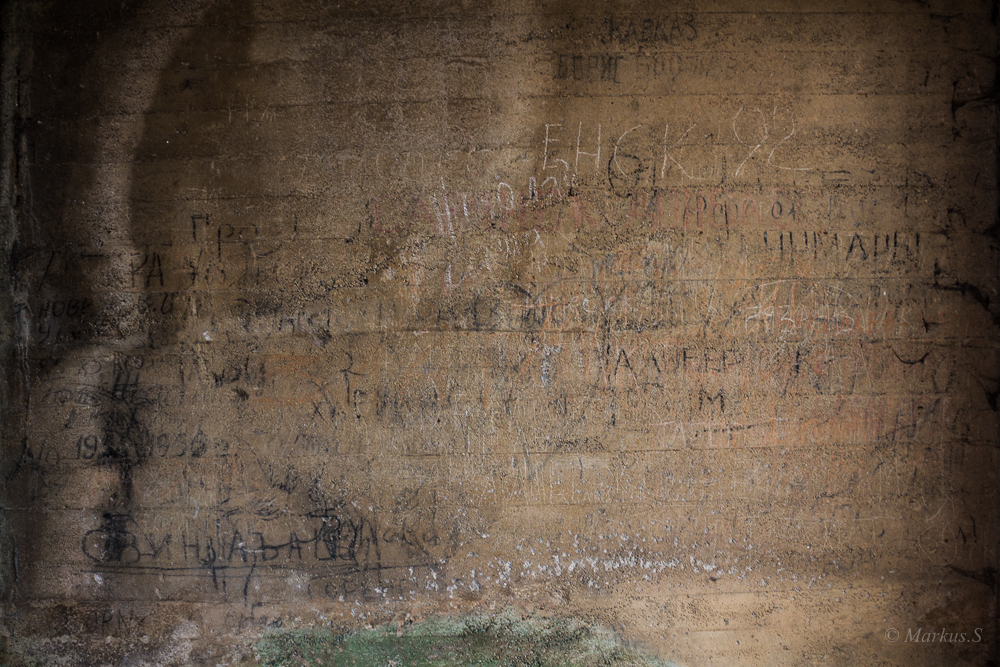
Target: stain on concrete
{"points": [[678, 320]]}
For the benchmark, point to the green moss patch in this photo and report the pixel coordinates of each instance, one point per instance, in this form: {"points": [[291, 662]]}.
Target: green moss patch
{"points": [[502, 640]]}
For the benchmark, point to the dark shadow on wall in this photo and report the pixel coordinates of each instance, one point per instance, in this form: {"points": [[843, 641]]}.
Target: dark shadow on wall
{"points": [[94, 300], [56, 267], [177, 167]]}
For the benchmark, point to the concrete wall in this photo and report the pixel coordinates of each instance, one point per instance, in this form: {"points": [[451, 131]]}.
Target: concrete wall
{"points": [[679, 318]]}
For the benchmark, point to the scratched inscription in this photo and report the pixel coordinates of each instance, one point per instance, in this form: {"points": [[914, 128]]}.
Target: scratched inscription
{"points": [[369, 316]]}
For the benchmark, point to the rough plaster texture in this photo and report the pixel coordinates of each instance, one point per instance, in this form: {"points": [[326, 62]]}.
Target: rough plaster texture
{"points": [[680, 318]]}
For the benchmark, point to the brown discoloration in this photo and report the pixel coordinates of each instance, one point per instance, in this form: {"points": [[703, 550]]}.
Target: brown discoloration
{"points": [[681, 320]]}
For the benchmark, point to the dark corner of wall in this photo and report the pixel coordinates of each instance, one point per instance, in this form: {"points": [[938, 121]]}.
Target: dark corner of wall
{"points": [[9, 123]]}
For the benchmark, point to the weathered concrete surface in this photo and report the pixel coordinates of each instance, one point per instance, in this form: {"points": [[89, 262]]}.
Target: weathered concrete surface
{"points": [[684, 321]]}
